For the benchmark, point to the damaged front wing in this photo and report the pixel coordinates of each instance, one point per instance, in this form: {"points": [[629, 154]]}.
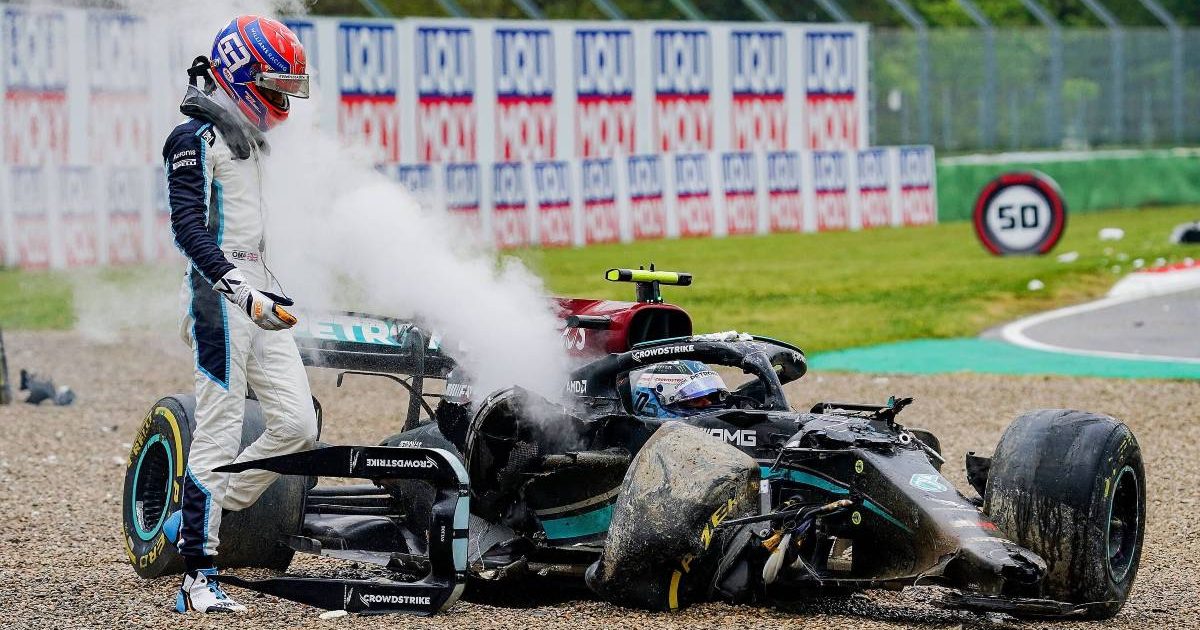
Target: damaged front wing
{"points": [[433, 592]]}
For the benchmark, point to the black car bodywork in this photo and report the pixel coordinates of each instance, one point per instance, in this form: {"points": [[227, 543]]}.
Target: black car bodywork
{"points": [[765, 502]]}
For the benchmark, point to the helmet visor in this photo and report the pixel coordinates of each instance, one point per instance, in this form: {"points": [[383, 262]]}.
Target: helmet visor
{"points": [[700, 385], [290, 84]]}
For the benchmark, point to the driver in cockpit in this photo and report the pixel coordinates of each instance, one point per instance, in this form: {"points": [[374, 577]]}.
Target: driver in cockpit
{"points": [[677, 389]]}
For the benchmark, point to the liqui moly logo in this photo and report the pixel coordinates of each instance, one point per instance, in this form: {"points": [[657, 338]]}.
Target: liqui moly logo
{"points": [[831, 89], [119, 101], [918, 205], [35, 121], [601, 221], [80, 222], [368, 110], [759, 81], [874, 180], [740, 185], [462, 196], [523, 65], [646, 196], [692, 194], [28, 194], [417, 178], [124, 193], [682, 66], [785, 206], [830, 175], [604, 75], [510, 218], [552, 194], [446, 129]]}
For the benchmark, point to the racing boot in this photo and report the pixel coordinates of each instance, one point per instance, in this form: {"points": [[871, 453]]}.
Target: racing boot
{"points": [[200, 592]]}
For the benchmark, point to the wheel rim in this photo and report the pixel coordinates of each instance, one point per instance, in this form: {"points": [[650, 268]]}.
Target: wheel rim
{"points": [[1124, 524], [151, 488]]}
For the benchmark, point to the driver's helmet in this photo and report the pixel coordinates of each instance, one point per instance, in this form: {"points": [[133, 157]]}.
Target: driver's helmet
{"points": [[675, 389], [259, 62]]}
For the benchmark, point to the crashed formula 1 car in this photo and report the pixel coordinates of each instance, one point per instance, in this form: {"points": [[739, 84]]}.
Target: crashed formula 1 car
{"points": [[750, 501]]}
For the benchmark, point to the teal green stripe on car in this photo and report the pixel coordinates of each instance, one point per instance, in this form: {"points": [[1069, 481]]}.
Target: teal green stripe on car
{"points": [[809, 479], [579, 525], [870, 505]]}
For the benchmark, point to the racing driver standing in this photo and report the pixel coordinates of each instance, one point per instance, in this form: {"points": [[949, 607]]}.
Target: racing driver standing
{"points": [[237, 329]]}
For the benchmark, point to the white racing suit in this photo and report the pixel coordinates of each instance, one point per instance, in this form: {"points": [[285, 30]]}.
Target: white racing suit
{"points": [[217, 220]]}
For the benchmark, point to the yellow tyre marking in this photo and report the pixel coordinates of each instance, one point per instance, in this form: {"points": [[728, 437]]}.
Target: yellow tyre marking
{"points": [[673, 593], [178, 440]]}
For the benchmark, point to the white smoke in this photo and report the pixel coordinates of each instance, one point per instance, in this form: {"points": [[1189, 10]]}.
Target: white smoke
{"points": [[343, 237]]}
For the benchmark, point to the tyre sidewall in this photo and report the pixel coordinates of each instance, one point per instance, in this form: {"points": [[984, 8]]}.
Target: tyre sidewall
{"points": [[166, 424], [1064, 490]]}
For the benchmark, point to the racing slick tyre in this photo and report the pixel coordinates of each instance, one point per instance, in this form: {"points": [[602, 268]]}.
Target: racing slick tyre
{"points": [[154, 483], [1070, 486], [663, 542]]}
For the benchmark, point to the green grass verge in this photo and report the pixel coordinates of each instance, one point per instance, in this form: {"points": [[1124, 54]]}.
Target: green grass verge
{"points": [[821, 291], [847, 289], [36, 300]]}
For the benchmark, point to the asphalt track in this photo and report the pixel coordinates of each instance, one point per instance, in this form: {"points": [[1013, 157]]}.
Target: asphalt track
{"points": [[1165, 327], [1116, 337]]}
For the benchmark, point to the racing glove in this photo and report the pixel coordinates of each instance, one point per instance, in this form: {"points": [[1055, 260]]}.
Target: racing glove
{"points": [[265, 309]]}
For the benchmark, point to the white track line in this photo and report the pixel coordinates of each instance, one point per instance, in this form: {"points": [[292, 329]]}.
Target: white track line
{"points": [[1014, 332]]}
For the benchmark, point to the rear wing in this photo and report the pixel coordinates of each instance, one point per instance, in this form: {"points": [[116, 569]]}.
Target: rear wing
{"points": [[344, 340]]}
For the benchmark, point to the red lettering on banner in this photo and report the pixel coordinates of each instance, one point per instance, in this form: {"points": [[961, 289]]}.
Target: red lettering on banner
{"points": [[785, 211], [525, 129], [164, 244], [832, 122], [833, 211], [35, 128], [741, 213], [33, 248], [759, 122], [446, 130], [683, 123], [604, 127], [917, 206], [511, 227], [124, 237], [119, 129], [874, 208], [601, 222], [555, 224], [79, 239], [649, 218], [372, 122], [695, 215]]}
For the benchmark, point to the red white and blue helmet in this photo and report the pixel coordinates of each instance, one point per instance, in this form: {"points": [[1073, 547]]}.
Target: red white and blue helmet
{"points": [[677, 389], [259, 62]]}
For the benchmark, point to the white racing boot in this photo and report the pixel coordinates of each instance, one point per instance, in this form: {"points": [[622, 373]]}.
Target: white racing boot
{"points": [[200, 592]]}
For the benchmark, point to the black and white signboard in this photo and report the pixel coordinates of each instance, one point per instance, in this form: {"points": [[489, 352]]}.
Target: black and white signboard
{"points": [[1020, 213]]}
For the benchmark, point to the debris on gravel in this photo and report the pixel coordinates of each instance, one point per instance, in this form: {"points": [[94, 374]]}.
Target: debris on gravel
{"points": [[62, 561]]}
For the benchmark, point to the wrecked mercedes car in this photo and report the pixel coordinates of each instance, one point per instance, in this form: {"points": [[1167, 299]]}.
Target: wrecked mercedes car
{"points": [[744, 499]]}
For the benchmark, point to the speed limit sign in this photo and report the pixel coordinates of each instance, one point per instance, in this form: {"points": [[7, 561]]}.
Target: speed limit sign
{"points": [[1020, 213]]}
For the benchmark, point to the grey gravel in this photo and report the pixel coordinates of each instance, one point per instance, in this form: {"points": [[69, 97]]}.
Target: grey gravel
{"points": [[62, 562]]}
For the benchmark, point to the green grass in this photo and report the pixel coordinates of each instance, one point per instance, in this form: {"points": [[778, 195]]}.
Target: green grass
{"points": [[821, 291], [847, 289], [36, 300]]}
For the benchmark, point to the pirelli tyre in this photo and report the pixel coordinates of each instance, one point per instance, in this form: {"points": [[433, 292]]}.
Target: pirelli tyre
{"points": [[663, 544], [1070, 486], [154, 484]]}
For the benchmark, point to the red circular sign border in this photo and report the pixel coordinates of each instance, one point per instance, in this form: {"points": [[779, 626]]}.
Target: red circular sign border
{"points": [[1033, 179]]}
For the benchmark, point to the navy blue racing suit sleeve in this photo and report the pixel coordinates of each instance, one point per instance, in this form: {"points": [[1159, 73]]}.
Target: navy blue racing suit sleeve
{"points": [[188, 190]]}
